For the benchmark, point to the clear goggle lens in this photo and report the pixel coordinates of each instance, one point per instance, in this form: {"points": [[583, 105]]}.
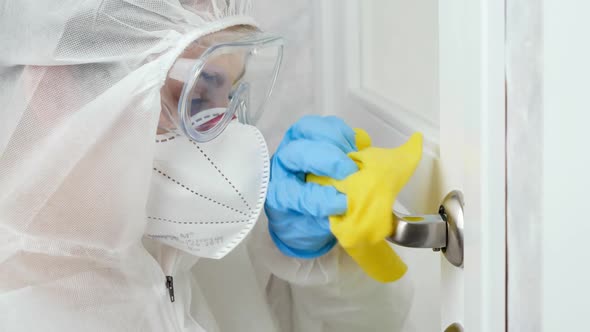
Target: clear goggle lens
{"points": [[228, 81]]}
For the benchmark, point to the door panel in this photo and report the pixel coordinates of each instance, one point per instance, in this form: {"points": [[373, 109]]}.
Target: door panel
{"points": [[398, 48], [397, 67]]}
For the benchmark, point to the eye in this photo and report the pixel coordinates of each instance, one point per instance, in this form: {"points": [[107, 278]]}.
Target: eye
{"points": [[209, 77]]}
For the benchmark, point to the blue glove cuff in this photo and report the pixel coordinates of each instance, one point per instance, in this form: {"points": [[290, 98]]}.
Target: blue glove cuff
{"points": [[297, 253]]}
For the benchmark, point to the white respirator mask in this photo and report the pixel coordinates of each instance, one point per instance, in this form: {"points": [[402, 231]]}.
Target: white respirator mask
{"points": [[206, 197], [211, 165]]}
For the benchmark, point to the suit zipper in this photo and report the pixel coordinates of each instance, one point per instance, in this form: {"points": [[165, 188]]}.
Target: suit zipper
{"points": [[170, 287]]}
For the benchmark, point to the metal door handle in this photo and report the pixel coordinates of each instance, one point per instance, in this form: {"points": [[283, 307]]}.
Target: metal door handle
{"points": [[455, 327], [441, 232]]}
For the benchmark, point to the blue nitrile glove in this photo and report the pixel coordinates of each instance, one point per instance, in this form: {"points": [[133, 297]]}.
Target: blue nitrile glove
{"points": [[298, 211]]}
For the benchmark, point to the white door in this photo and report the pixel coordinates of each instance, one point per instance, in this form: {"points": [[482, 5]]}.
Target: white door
{"points": [[394, 67]]}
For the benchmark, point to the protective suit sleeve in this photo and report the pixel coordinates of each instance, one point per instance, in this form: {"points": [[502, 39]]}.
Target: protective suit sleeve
{"points": [[329, 293]]}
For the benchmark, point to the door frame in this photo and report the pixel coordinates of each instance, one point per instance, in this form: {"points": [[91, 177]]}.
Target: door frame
{"points": [[471, 97]]}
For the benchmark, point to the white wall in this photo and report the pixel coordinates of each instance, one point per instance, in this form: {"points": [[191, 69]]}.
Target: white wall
{"points": [[566, 226], [548, 117]]}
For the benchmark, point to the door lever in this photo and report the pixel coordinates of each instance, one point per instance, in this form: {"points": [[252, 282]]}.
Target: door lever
{"points": [[441, 232]]}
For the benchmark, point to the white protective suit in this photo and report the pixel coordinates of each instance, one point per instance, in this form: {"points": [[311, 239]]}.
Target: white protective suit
{"points": [[80, 100]]}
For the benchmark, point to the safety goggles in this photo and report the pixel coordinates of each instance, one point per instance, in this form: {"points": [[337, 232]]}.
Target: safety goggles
{"points": [[228, 80]]}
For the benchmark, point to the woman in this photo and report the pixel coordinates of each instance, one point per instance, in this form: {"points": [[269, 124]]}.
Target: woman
{"points": [[128, 150]]}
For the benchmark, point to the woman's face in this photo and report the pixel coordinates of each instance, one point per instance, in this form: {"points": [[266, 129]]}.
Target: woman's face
{"points": [[212, 89]]}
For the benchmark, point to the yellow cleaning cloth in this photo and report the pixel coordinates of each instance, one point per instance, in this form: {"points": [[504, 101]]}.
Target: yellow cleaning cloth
{"points": [[371, 192]]}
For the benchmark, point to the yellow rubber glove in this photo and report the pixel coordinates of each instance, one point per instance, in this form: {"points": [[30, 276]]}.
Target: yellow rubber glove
{"points": [[371, 192]]}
